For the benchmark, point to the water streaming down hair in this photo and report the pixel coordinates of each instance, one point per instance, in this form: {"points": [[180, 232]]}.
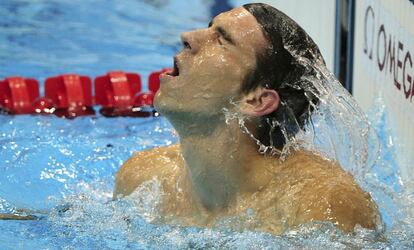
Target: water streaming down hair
{"points": [[316, 112]]}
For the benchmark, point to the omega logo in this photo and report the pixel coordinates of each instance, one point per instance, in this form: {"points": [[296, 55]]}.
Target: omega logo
{"points": [[389, 53]]}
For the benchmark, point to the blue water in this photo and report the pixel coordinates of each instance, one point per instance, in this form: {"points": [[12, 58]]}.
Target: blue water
{"points": [[46, 38], [63, 170]]}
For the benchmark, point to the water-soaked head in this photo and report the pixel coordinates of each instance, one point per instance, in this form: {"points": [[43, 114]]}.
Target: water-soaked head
{"points": [[279, 68], [246, 57]]}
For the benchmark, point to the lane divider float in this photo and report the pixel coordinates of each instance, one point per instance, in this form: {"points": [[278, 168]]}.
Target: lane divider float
{"points": [[70, 95]]}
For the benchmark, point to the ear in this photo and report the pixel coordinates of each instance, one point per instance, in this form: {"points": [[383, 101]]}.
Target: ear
{"points": [[260, 102]]}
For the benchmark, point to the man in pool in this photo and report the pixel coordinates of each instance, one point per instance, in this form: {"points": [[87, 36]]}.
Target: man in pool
{"points": [[240, 67]]}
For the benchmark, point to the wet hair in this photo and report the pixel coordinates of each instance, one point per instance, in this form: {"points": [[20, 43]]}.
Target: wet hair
{"points": [[278, 68]]}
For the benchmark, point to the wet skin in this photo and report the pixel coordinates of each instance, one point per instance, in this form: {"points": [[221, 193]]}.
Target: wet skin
{"points": [[301, 189], [216, 171]]}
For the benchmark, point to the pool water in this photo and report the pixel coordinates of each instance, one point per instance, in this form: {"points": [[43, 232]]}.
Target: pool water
{"points": [[63, 170]]}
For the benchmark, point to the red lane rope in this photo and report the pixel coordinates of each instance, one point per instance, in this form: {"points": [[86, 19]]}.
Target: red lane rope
{"points": [[70, 95]]}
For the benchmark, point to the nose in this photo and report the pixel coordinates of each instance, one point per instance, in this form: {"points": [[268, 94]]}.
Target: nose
{"points": [[193, 40]]}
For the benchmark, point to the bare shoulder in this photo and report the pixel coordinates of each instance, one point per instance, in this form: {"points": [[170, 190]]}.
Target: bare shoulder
{"points": [[144, 165], [330, 193]]}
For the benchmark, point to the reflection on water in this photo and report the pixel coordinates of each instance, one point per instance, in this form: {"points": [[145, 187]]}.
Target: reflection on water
{"points": [[63, 170]]}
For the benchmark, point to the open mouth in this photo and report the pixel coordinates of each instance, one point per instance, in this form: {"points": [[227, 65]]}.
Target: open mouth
{"points": [[175, 71]]}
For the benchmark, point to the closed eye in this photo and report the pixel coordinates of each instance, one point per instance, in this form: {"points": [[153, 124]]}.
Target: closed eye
{"points": [[225, 35], [222, 33], [219, 40]]}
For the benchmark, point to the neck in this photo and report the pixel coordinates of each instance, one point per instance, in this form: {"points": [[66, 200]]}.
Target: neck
{"points": [[222, 160]]}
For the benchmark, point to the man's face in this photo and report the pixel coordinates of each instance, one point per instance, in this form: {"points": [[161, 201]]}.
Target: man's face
{"points": [[209, 71]]}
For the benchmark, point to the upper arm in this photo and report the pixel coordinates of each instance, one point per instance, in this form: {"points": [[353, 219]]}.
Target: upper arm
{"points": [[351, 206], [343, 204], [142, 167], [328, 193], [129, 176]]}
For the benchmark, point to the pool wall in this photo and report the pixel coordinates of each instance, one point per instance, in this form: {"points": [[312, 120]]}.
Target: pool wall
{"points": [[383, 70]]}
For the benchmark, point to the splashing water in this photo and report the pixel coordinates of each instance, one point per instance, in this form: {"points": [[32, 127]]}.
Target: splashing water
{"points": [[339, 130]]}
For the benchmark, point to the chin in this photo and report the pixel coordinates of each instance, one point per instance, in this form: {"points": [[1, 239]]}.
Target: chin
{"points": [[164, 104], [159, 104]]}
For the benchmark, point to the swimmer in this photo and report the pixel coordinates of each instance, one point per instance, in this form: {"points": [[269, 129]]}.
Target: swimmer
{"points": [[241, 65]]}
